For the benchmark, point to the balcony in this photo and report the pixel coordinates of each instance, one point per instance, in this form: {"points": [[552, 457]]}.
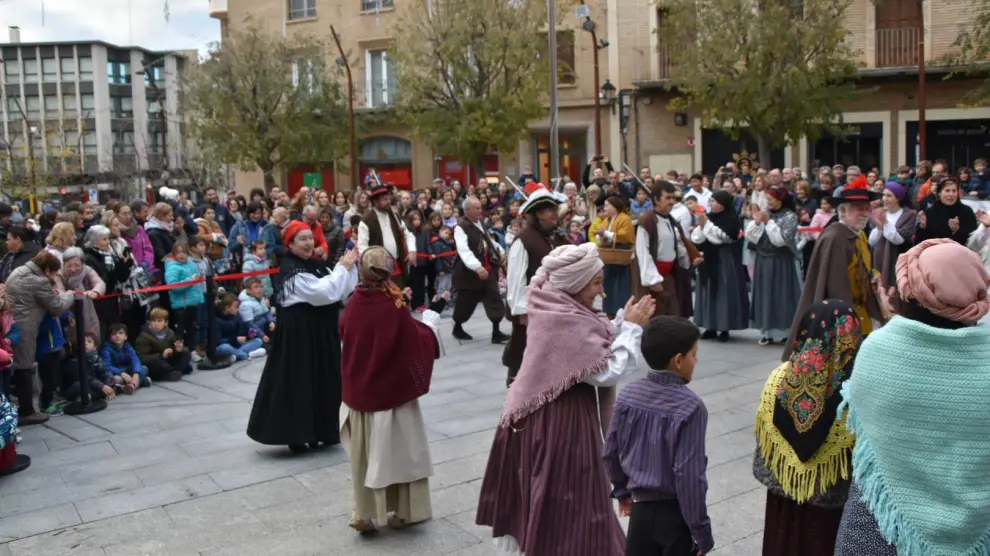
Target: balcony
{"points": [[666, 60], [897, 47]]}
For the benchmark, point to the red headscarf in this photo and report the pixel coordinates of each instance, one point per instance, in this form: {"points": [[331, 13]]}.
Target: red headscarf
{"points": [[292, 229]]}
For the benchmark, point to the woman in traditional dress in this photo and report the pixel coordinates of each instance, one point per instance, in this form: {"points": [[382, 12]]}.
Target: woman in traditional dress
{"points": [[802, 451], [545, 489], [917, 404], [386, 367], [776, 279], [894, 225], [616, 232], [722, 300], [298, 399]]}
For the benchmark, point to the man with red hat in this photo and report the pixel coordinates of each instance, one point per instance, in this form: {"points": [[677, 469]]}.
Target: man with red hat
{"points": [[379, 226], [841, 266]]}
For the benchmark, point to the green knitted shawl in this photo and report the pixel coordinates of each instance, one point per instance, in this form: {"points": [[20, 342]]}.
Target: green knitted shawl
{"points": [[918, 405]]}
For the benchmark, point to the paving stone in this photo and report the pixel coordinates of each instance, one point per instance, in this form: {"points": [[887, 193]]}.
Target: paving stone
{"points": [[69, 456], [437, 536], [77, 429], [738, 517], [462, 446], [126, 445], [730, 479], [31, 479], [730, 446], [83, 471], [459, 471], [730, 420], [279, 463], [130, 529], [122, 503], [750, 546], [38, 521], [61, 493], [465, 425], [216, 444], [182, 467]]}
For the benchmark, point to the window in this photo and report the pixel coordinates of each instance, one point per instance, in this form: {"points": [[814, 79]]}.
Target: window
{"points": [[89, 142], [124, 73], [68, 67], [372, 5], [302, 72], [12, 71], [85, 69], [33, 108], [380, 76], [49, 67], [122, 107], [51, 106], [72, 141], [88, 102], [112, 72], [301, 9], [69, 105], [565, 58], [13, 109], [30, 71], [155, 142], [127, 142]]}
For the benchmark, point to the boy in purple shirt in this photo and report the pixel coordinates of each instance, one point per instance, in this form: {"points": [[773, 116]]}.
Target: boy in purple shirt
{"points": [[655, 450]]}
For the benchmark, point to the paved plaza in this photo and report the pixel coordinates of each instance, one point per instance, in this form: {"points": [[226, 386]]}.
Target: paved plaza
{"points": [[169, 471]]}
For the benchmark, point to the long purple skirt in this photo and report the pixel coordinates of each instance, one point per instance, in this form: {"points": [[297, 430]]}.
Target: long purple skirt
{"points": [[546, 486]]}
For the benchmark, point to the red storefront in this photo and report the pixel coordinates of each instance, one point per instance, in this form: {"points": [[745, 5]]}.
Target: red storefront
{"points": [[391, 157], [451, 168], [317, 177]]}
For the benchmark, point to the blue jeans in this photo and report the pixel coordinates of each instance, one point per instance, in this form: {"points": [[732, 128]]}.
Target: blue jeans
{"points": [[241, 353]]}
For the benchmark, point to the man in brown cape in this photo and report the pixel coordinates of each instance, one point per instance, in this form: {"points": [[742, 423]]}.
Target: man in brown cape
{"points": [[841, 265]]}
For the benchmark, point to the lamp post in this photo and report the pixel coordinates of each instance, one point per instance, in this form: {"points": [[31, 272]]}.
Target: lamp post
{"points": [[596, 44], [352, 133], [160, 105]]}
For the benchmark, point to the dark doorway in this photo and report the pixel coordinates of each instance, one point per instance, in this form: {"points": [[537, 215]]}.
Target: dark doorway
{"points": [[573, 156], [859, 144], [717, 148], [959, 142]]}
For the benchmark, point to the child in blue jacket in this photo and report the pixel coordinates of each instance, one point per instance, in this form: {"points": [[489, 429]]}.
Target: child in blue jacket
{"points": [[186, 301], [234, 336], [122, 361], [49, 355]]}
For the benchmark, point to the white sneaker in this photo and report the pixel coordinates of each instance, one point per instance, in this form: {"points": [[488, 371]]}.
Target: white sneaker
{"points": [[196, 358], [232, 359], [260, 352]]}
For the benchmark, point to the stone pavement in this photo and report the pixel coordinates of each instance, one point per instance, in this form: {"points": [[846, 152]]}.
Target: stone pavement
{"points": [[170, 471]]}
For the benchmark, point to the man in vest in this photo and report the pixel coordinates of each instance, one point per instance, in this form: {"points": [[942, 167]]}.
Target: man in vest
{"points": [[664, 255], [475, 276], [379, 226], [540, 236]]}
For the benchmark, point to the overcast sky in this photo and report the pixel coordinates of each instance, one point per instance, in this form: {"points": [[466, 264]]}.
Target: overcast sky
{"points": [[188, 26]]}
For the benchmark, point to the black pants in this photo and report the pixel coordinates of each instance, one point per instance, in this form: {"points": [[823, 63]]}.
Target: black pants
{"points": [[161, 367], [186, 325], [417, 282], [489, 297], [658, 529], [24, 378], [72, 392]]}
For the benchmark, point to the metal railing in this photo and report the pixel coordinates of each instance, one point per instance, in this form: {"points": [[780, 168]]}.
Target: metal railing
{"points": [[897, 47], [666, 61]]}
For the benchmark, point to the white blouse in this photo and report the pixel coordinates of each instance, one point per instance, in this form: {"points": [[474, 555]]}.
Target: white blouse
{"points": [[625, 353], [306, 288], [889, 231]]}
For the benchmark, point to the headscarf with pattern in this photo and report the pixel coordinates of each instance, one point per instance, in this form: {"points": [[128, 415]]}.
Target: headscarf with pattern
{"points": [[808, 397], [799, 438], [376, 269]]}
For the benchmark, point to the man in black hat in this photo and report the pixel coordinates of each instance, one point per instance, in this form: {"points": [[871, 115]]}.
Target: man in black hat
{"points": [[540, 236], [5, 214], [379, 226], [841, 265], [475, 277]]}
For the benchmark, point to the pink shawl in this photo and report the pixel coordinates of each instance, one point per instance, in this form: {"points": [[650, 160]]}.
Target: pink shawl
{"points": [[569, 343]]}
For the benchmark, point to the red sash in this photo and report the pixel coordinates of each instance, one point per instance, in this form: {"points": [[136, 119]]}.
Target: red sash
{"points": [[398, 269], [665, 267]]}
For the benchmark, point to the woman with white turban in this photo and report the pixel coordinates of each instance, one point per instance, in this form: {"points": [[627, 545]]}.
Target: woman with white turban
{"points": [[545, 489]]}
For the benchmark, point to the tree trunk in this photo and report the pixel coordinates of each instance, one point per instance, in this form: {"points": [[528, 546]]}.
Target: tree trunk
{"points": [[765, 152], [269, 179]]}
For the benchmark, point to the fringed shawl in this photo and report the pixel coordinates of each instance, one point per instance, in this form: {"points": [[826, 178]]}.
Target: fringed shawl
{"points": [[566, 343]]}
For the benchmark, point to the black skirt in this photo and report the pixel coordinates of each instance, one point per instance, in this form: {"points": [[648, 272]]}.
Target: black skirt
{"points": [[299, 396]]}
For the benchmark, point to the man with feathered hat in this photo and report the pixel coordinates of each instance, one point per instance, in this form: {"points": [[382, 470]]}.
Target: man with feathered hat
{"points": [[841, 266], [381, 227], [541, 235]]}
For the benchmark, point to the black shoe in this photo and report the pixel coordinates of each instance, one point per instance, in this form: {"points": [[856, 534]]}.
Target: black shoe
{"points": [[173, 376], [723, 336], [709, 335], [460, 334], [298, 448], [499, 337], [21, 462]]}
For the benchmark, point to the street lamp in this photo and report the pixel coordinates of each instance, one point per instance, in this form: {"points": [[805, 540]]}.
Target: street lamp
{"points": [[157, 107], [597, 45], [608, 94], [352, 133]]}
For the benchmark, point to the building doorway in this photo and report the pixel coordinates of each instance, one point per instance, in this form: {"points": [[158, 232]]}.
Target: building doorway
{"points": [[718, 148], [573, 155], [858, 144], [958, 142]]}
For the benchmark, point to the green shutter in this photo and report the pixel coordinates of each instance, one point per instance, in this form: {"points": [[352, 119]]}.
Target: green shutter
{"points": [[314, 181]]}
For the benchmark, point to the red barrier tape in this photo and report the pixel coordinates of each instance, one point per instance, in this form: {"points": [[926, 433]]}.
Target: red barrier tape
{"points": [[166, 287]]}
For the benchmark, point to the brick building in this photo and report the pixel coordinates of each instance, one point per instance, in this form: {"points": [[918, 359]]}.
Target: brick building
{"points": [[883, 125]]}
